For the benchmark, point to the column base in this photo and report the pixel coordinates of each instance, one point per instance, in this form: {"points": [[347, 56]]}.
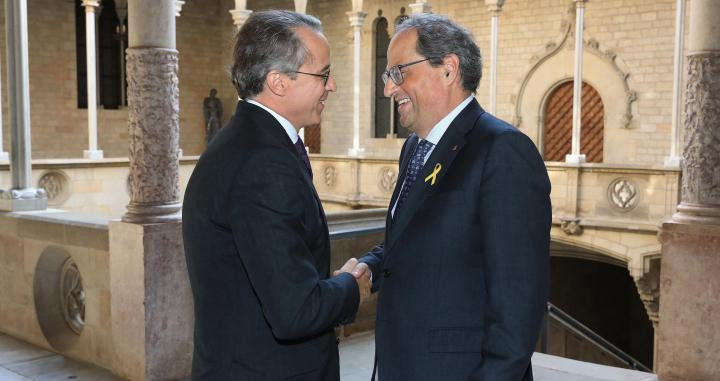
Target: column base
{"points": [[152, 303], [687, 332], [356, 151], [93, 154], [575, 159], [23, 200], [152, 213], [673, 161], [4, 156]]}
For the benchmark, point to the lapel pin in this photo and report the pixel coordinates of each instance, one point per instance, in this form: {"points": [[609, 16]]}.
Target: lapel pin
{"points": [[431, 177], [455, 147]]}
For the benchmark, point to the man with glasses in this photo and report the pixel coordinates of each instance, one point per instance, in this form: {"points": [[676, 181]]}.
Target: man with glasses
{"points": [[255, 235], [462, 273]]}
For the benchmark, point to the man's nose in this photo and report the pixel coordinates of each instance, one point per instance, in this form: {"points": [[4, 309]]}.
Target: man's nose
{"points": [[331, 85], [390, 88]]}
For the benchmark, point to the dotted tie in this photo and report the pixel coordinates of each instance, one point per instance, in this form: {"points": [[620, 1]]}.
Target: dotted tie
{"points": [[416, 164], [300, 147]]}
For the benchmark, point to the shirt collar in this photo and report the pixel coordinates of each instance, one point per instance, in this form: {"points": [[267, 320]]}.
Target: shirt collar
{"points": [[439, 129], [286, 125]]}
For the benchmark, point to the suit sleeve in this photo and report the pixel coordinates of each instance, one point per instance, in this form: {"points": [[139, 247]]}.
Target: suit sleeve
{"points": [[515, 228], [268, 209]]}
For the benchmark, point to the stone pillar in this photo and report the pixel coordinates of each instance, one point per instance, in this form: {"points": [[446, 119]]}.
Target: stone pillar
{"points": [[240, 14], [152, 316], [301, 7], [4, 156], [357, 18], [495, 7], [689, 329], [421, 6], [92, 152], [673, 160], [575, 157], [121, 10], [21, 196]]}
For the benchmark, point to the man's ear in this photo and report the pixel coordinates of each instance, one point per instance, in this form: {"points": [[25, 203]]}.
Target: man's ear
{"points": [[276, 82], [451, 65]]}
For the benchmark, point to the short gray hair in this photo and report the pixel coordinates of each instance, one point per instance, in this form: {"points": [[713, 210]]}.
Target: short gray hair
{"points": [[439, 36], [268, 41]]}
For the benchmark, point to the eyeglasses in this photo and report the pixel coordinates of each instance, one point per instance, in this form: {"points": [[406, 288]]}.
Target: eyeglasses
{"points": [[395, 72], [323, 76]]}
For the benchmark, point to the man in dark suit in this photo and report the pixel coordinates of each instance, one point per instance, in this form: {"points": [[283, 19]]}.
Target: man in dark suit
{"points": [[463, 270], [256, 240]]}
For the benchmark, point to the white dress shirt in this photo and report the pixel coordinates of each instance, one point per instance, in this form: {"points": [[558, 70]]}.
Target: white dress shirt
{"points": [[286, 125]]}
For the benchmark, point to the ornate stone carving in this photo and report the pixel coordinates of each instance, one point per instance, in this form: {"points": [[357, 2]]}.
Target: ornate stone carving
{"points": [[387, 178], [23, 194], [701, 156], [154, 132], [551, 48], [648, 286], [330, 176], [72, 296], [571, 226], [622, 194], [56, 184]]}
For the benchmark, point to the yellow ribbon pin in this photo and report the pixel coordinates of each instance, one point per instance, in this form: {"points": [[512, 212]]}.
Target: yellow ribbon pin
{"points": [[434, 174]]}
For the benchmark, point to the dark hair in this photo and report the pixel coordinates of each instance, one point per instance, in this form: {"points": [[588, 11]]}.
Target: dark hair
{"points": [[268, 41], [438, 36]]}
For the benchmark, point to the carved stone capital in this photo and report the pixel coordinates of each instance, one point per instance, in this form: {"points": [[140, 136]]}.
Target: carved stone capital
{"points": [[178, 7], [701, 155], [420, 7], [239, 16], [90, 5], [153, 107], [494, 6], [571, 226], [357, 19]]}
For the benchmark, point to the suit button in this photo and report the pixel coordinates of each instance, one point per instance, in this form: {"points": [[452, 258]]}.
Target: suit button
{"points": [[386, 273]]}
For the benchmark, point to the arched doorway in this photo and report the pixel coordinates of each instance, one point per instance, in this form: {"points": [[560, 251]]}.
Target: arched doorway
{"points": [[599, 292], [557, 131]]}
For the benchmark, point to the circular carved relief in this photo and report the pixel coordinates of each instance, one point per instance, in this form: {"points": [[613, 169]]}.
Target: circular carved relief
{"points": [[387, 179], [72, 296], [59, 298], [329, 176], [622, 194], [57, 186]]}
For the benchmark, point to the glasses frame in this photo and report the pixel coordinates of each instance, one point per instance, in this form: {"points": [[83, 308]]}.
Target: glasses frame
{"points": [[396, 71], [325, 76]]}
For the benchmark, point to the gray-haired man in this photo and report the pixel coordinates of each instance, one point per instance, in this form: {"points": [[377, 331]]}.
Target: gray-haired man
{"points": [[256, 239]]}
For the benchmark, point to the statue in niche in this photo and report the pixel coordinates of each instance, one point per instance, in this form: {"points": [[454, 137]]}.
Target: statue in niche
{"points": [[212, 109]]}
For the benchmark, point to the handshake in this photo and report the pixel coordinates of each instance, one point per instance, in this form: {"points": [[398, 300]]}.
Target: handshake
{"points": [[361, 272]]}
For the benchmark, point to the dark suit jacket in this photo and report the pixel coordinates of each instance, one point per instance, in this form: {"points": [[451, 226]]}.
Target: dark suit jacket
{"points": [[258, 255], [463, 271]]}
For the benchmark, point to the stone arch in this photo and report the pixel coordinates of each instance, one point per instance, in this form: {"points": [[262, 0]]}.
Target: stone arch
{"points": [[602, 69]]}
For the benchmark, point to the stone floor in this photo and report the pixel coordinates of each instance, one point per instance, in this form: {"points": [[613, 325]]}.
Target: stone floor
{"points": [[23, 362]]}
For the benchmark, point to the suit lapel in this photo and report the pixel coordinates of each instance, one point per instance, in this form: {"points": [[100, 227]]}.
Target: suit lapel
{"points": [[437, 165]]}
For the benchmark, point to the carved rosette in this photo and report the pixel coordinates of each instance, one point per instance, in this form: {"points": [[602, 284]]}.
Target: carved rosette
{"points": [[622, 194], [72, 296], [701, 156], [153, 105], [56, 184], [387, 178]]}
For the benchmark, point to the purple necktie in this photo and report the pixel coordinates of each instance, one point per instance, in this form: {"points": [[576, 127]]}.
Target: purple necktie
{"points": [[300, 147]]}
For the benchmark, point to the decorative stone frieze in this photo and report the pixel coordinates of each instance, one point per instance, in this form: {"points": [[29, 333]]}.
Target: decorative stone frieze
{"points": [[57, 186], [701, 155], [387, 178], [622, 194], [154, 133], [330, 176]]}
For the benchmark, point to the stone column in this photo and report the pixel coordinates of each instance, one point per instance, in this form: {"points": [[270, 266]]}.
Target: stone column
{"points": [[21, 196], [674, 159], [301, 7], [495, 7], [92, 152], [121, 10], [152, 316], [689, 329], [357, 18], [421, 6], [575, 157], [240, 14], [4, 156]]}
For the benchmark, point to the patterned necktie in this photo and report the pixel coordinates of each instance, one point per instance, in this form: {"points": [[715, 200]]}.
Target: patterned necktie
{"points": [[300, 147], [416, 164]]}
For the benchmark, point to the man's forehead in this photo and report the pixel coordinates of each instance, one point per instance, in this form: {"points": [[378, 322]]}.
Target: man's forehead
{"points": [[403, 45]]}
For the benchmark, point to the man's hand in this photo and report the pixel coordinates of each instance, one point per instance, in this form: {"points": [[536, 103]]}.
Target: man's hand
{"points": [[361, 272]]}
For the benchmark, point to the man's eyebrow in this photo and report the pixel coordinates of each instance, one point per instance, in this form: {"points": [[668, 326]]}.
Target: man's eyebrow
{"points": [[325, 69]]}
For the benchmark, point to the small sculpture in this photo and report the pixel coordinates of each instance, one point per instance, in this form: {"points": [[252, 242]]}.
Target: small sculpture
{"points": [[212, 109]]}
